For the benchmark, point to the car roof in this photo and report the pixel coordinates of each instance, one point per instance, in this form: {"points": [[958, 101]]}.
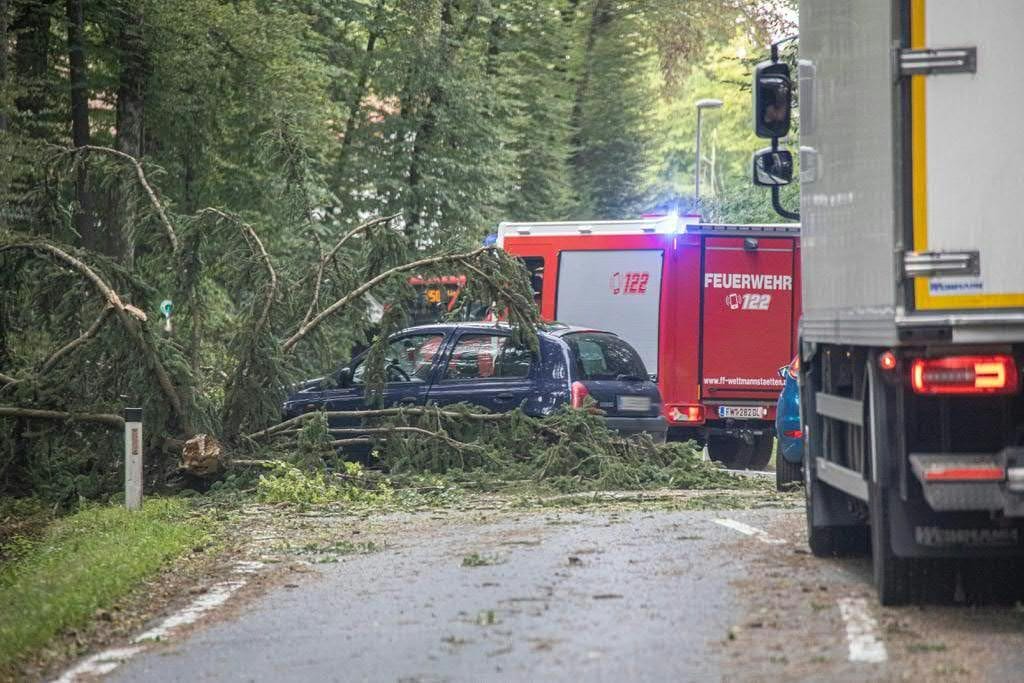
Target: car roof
{"points": [[555, 329]]}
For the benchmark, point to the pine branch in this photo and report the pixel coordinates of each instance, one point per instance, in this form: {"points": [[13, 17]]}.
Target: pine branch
{"points": [[172, 236], [326, 259], [378, 412], [130, 317], [308, 327], [115, 421], [61, 257], [75, 343], [256, 245]]}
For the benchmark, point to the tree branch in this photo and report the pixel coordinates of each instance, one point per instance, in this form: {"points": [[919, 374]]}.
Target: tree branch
{"points": [[115, 421], [63, 258], [129, 316], [379, 412], [325, 259], [308, 327], [256, 245], [75, 343], [172, 237]]}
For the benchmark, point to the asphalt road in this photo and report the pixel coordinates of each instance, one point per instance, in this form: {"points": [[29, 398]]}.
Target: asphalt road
{"points": [[601, 595]]}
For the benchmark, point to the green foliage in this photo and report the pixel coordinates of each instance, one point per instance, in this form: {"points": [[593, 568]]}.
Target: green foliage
{"points": [[84, 562], [570, 450], [289, 484]]}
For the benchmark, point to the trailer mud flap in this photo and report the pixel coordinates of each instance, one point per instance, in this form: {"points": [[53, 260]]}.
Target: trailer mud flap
{"points": [[920, 532]]}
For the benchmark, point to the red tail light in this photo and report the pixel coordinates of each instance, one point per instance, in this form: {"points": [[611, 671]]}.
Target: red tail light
{"points": [[693, 413], [793, 433], [579, 392], [794, 368], [965, 375]]}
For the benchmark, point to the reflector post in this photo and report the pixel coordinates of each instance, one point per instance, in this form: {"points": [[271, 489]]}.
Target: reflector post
{"points": [[965, 375]]}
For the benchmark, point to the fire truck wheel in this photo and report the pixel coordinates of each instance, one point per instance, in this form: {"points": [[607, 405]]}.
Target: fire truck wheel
{"points": [[732, 452], [762, 451]]}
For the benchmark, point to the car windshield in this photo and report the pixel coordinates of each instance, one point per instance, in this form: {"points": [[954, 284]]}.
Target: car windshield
{"points": [[599, 355]]}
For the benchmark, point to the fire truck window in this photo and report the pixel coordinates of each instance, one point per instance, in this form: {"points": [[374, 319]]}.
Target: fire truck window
{"points": [[535, 266], [484, 356]]}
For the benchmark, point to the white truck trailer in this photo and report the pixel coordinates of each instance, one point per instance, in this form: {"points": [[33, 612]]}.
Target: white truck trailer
{"points": [[912, 332]]}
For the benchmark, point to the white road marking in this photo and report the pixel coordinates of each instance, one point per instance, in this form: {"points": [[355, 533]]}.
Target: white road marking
{"points": [[215, 597], [100, 663], [862, 631], [748, 530], [104, 662]]}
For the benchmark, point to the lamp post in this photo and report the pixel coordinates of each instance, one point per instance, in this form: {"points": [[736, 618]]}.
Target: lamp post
{"points": [[701, 105]]}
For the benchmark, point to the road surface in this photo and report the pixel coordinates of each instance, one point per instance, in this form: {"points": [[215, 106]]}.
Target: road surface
{"points": [[600, 594]]}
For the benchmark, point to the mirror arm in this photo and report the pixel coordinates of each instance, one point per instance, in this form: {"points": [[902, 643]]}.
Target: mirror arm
{"points": [[780, 209], [776, 192]]}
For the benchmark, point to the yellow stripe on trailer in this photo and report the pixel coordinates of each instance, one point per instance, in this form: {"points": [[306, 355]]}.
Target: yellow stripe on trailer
{"points": [[923, 298]]}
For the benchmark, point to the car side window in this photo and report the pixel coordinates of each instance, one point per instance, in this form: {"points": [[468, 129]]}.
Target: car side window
{"points": [[487, 356], [409, 359]]}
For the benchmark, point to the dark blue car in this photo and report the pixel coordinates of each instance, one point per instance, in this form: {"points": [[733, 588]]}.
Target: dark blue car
{"points": [[790, 454], [478, 363]]}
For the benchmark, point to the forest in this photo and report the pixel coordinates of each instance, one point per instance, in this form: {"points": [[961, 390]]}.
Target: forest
{"points": [[271, 166]]}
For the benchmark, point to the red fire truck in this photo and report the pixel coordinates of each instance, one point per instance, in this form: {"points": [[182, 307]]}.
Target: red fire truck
{"points": [[712, 310]]}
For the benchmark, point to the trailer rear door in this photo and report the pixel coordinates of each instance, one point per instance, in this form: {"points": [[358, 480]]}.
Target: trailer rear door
{"points": [[746, 317], [966, 152], [614, 291]]}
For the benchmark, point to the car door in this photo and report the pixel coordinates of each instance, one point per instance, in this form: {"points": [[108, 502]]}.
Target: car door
{"points": [[485, 369], [410, 368]]}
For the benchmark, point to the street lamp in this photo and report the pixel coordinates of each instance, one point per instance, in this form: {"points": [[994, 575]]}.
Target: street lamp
{"points": [[701, 105]]}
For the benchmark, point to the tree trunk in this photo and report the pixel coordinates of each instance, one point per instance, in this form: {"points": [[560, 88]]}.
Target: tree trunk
{"points": [[129, 137], [427, 124], [5, 8], [85, 215], [31, 26], [601, 15], [359, 93]]}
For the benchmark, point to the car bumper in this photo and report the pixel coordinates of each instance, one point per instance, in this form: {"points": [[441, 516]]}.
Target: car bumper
{"points": [[657, 427]]}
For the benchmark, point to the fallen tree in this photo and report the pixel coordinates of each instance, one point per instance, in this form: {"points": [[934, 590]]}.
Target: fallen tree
{"points": [[79, 333]]}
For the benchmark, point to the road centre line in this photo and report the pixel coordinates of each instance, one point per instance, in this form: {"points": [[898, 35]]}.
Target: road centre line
{"points": [[102, 663], [748, 530], [862, 631]]}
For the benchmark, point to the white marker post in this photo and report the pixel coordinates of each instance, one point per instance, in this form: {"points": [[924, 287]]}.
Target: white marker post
{"points": [[133, 458]]}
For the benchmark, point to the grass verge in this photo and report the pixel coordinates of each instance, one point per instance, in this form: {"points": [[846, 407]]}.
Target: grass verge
{"points": [[82, 563]]}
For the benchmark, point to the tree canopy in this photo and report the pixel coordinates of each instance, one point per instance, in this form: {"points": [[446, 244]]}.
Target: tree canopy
{"points": [[265, 164]]}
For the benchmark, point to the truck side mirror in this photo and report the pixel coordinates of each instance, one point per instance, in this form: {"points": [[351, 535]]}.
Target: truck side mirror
{"points": [[345, 377], [773, 167], [773, 102]]}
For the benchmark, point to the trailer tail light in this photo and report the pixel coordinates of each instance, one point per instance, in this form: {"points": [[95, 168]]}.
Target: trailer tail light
{"points": [[794, 368], [694, 413], [579, 393], [965, 375], [969, 473], [887, 361]]}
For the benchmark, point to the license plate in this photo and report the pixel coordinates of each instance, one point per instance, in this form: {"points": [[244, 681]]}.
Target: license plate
{"points": [[633, 404], [742, 413]]}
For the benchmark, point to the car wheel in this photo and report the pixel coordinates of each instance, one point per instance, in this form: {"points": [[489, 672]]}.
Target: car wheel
{"points": [[786, 473]]}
